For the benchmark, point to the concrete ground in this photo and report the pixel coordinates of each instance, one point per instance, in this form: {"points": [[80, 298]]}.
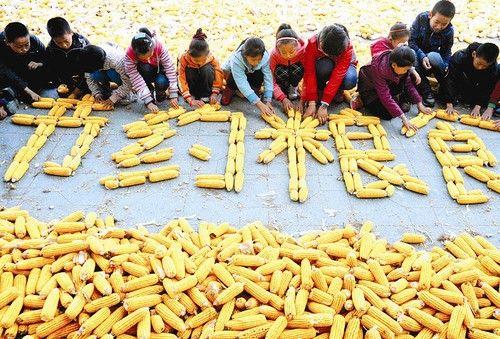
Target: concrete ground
{"points": [[265, 193]]}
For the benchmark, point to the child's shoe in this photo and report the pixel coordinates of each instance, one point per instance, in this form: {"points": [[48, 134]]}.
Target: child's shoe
{"points": [[160, 96], [293, 93], [205, 99], [227, 96], [356, 102], [428, 100]]}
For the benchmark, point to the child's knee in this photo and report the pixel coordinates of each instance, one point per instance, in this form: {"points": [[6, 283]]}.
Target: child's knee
{"points": [[435, 59], [324, 67], [161, 82], [350, 80]]}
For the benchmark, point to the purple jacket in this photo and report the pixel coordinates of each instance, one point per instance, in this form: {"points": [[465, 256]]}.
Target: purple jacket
{"points": [[377, 81]]}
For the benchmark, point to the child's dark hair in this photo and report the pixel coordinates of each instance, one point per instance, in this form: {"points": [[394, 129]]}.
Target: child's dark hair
{"points": [[15, 30], [445, 8], [142, 42], [398, 30], [198, 46], [487, 51], [285, 34], [58, 27], [333, 39], [402, 56], [91, 58], [253, 47]]}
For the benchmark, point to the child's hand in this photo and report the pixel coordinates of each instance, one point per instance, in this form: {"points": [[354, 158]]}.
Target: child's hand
{"points": [[488, 113], [214, 99], [174, 103], [418, 79], [3, 113], [476, 111], [310, 110], [265, 109], [34, 65], [299, 107], [108, 103], [98, 97], [497, 124], [196, 103], [449, 108], [152, 107], [322, 114], [423, 109], [426, 63], [33, 95], [287, 105], [409, 125]]}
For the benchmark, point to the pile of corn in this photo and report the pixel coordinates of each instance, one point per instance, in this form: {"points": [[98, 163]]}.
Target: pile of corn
{"points": [[466, 119], [82, 277], [80, 106], [370, 161], [419, 121], [207, 113], [472, 164]]}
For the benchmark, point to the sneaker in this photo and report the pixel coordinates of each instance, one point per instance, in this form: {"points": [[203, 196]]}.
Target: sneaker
{"points": [[160, 96], [356, 102], [11, 104], [227, 96], [428, 100], [130, 98], [293, 93], [205, 99], [405, 107]]}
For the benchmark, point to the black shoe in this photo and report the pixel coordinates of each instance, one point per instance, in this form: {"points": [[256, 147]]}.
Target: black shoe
{"points": [[160, 96], [428, 100], [405, 107], [9, 101]]}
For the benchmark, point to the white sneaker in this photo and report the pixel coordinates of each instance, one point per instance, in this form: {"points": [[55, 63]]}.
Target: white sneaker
{"points": [[293, 93], [205, 99], [130, 98]]}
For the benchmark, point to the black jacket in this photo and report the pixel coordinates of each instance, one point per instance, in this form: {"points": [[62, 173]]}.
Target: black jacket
{"points": [[63, 64], [14, 66], [467, 83]]}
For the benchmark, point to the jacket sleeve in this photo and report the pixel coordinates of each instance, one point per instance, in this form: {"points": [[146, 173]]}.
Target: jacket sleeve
{"points": [[12, 78], [412, 91], [445, 50], [170, 71], [138, 84], [454, 79], [338, 75], [219, 77], [485, 89], [94, 87], [240, 78], [385, 96], [414, 37], [310, 86], [278, 93], [183, 85], [42, 52], [268, 82], [126, 87]]}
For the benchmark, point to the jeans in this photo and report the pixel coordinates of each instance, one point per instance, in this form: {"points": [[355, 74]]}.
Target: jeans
{"points": [[324, 69], [154, 76], [438, 68], [104, 77]]}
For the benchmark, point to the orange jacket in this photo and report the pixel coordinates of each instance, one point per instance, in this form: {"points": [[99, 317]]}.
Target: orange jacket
{"points": [[186, 60]]}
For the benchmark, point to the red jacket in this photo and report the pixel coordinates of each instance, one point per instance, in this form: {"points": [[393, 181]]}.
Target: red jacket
{"points": [[342, 62], [380, 45], [277, 59]]}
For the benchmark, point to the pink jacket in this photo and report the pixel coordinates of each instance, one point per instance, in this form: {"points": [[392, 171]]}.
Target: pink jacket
{"points": [[380, 45], [277, 59], [159, 58]]}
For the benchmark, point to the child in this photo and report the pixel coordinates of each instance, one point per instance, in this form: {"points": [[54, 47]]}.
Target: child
{"points": [[200, 75], [287, 66], [103, 65], [151, 70], [398, 35], [432, 38], [471, 77], [62, 53], [329, 68], [22, 62], [246, 70], [493, 104], [385, 80]]}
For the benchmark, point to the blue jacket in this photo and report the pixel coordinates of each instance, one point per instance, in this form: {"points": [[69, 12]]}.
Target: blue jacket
{"points": [[238, 66], [423, 40]]}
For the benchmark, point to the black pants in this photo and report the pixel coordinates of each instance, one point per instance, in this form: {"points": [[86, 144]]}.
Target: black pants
{"points": [[287, 76], [377, 109], [36, 79], [200, 81], [324, 69], [255, 79]]}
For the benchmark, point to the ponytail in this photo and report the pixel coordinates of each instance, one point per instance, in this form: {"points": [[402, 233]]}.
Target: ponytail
{"points": [[198, 46]]}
